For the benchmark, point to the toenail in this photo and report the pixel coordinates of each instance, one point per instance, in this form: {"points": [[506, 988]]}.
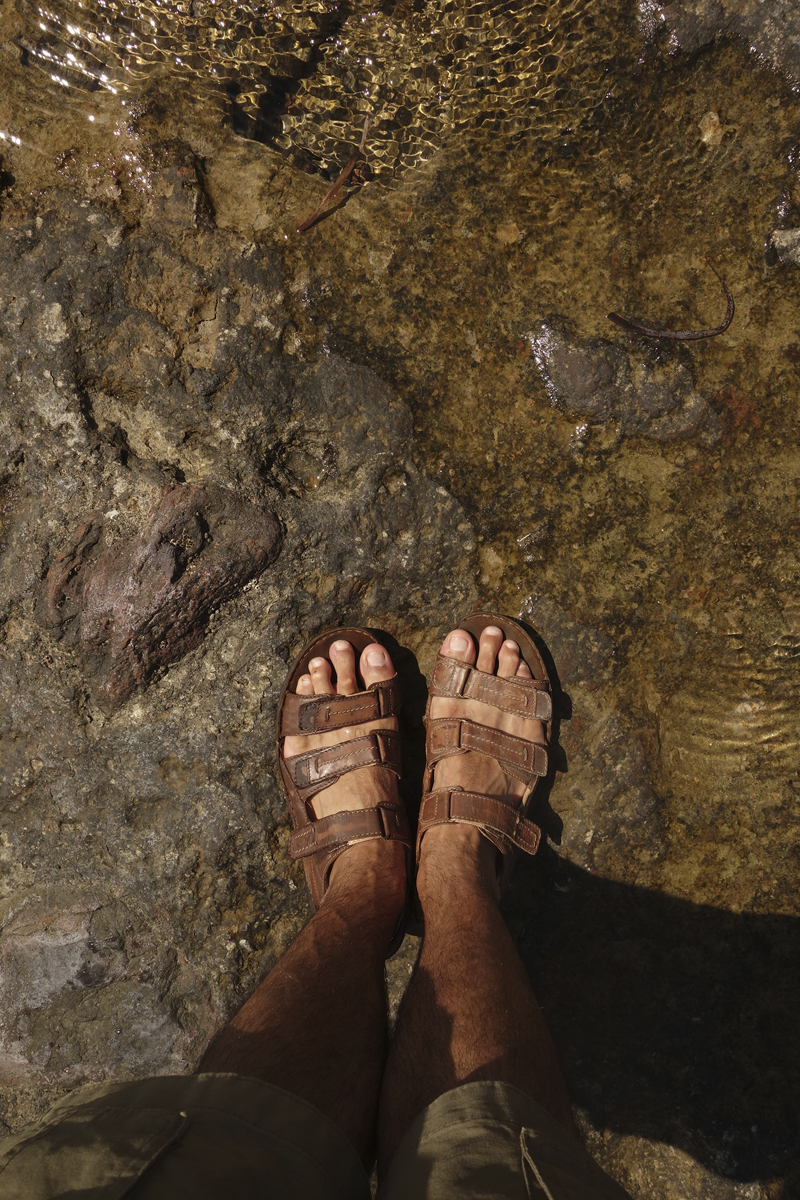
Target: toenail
{"points": [[457, 642], [493, 630], [316, 663], [512, 646], [376, 658], [341, 645]]}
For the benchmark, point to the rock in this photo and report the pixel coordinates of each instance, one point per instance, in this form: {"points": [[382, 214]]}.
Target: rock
{"points": [[177, 196], [144, 602], [771, 28], [596, 379], [711, 129], [58, 958], [786, 242], [152, 465], [508, 234]]}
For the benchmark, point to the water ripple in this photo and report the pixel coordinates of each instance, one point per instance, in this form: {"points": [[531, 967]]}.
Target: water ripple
{"points": [[303, 76]]}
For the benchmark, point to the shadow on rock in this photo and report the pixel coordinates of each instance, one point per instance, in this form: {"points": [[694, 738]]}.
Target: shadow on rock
{"points": [[675, 1021]]}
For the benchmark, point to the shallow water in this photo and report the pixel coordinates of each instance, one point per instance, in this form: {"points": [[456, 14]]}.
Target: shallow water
{"points": [[304, 77], [533, 167]]}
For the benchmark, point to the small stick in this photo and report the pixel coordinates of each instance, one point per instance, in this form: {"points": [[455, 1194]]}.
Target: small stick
{"points": [[333, 191], [680, 335]]}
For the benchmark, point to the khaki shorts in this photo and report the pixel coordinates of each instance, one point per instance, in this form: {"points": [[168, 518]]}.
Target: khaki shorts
{"points": [[227, 1137]]}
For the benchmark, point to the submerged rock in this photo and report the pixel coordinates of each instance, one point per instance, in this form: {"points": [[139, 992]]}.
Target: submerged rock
{"points": [[786, 243], [770, 27], [596, 379]]}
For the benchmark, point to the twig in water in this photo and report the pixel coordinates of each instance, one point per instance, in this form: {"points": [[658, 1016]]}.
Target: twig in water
{"points": [[680, 335], [333, 191]]}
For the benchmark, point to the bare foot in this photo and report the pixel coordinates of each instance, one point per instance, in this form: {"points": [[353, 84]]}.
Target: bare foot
{"points": [[473, 771], [362, 788]]}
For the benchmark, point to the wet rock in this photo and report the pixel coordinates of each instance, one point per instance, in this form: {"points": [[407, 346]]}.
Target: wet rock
{"points": [[177, 195], [644, 397], [58, 960], [711, 129], [143, 603], [770, 27], [150, 469], [606, 806], [786, 243], [585, 655]]}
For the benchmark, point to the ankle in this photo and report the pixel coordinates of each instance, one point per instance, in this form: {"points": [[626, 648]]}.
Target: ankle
{"points": [[370, 874], [456, 859]]}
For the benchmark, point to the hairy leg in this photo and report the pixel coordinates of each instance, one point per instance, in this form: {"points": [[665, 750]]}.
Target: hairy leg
{"points": [[316, 1026], [470, 1012]]}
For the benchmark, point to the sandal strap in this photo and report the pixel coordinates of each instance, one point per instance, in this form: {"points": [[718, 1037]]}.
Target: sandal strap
{"points": [[504, 825], [341, 829], [317, 769], [526, 697], [518, 757], [317, 714]]}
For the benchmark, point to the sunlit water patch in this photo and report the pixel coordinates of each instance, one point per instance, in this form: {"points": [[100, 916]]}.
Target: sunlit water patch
{"points": [[735, 718], [304, 77]]}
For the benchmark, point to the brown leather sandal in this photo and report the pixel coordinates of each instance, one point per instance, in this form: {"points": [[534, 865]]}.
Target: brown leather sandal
{"points": [[503, 822], [319, 842]]}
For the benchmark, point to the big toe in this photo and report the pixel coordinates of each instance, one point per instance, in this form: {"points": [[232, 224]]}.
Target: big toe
{"points": [[459, 644]]}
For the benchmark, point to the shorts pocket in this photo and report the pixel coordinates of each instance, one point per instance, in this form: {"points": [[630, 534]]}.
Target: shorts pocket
{"points": [[557, 1167], [98, 1155]]}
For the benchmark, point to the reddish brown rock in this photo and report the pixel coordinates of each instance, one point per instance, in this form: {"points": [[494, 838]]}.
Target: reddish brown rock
{"points": [[143, 603]]}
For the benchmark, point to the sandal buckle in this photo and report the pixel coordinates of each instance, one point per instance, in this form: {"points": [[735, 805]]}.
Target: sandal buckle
{"points": [[390, 822], [301, 773], [307, 717]]}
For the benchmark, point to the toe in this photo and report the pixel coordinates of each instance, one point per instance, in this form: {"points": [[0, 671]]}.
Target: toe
{"points": [[508, 660], [375, 664], [320, 670], [523, 670], [490, 643], [459, 644], [296, 745], [344, 660]]}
